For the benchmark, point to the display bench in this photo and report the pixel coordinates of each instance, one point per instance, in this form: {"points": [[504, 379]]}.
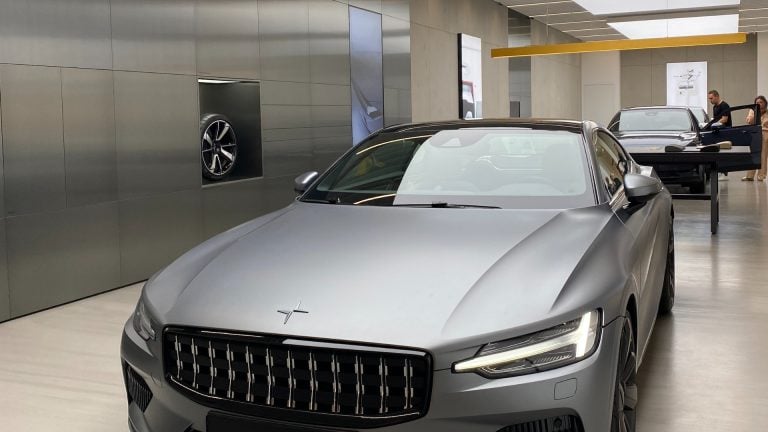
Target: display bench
{"points": [[693, 156]]}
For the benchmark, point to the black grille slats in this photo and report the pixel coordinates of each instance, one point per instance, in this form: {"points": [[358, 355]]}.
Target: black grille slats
{"points": [[552, 424], [137, 389], [264, 372]]}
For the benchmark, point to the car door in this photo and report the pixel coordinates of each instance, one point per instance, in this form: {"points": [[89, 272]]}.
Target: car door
{"points": [[743, 135], [641, 221]]}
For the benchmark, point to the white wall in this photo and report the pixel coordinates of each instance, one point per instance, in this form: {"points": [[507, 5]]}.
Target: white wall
{"points": [[731, 69], [600, 86], [555, 79], [435, 25], [762, 63]]}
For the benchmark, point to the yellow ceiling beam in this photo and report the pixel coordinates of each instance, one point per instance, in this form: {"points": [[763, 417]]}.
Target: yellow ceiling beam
{"points": [[619, 45]]}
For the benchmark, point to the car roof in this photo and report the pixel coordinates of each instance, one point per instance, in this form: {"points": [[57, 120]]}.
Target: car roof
{"points": [[532, 123], [677, 107]]}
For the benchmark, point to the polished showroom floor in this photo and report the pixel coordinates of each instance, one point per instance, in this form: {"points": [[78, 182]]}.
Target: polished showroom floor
{"points": [[706, 368]]}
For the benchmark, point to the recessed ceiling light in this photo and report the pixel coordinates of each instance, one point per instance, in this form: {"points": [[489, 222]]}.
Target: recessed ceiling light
{"points": [[614, 7], [691, 26]]}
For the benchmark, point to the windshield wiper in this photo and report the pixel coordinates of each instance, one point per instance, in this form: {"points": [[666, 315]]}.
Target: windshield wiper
{"points": [[321, 201], [442, 204]]}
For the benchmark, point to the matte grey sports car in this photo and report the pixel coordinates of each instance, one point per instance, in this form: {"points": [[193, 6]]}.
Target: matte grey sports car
{"points": [[474, 276]]}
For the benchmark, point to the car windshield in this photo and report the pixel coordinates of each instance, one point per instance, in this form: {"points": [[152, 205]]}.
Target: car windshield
{"points": [[499, 167], [700, 114], [668, 120]]}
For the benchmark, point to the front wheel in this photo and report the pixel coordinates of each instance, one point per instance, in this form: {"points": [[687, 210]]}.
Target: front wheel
{"points": [[668, 290], [624, 416]]}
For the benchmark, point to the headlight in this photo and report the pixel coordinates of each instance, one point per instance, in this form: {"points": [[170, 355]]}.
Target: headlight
{"points": [[142, 323], [555, 347]]}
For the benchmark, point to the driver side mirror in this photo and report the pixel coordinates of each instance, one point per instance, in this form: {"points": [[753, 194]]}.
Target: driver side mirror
{"points": [[640, 188], [302, 182]]}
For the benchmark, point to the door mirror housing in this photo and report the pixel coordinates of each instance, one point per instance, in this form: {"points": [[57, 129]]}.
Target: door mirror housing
{"points": [[640, 188], [302, 182]]}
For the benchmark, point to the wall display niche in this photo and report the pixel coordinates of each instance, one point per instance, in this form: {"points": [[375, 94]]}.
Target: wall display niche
{"points": [[470, 77], [230, 130]]}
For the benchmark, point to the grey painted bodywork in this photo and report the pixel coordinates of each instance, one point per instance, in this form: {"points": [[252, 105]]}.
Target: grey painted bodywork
{"points": [[446, 281]]}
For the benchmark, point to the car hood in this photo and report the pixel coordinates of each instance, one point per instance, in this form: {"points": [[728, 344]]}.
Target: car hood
{"points": [[417, 277], [655, 140]]}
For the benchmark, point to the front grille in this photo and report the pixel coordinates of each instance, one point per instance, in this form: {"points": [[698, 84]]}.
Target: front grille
{"points": [[302, 381], [552, 424], [137, 389]]}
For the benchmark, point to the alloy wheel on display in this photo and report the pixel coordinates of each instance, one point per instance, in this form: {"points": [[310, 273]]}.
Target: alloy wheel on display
{"points": [[219, 149], [625, 395]]}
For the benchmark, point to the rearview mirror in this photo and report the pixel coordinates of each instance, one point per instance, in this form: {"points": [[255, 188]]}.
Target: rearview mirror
{"points": [[640, 188], [302, 182]]}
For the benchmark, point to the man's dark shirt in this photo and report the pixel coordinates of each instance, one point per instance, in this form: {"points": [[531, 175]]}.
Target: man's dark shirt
{"points": [[722, 109]]}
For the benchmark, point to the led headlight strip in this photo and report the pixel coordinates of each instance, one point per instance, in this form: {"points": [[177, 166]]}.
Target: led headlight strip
{"points": [[581, 341]]}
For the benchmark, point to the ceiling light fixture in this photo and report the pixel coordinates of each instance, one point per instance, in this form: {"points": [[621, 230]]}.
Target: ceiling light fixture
{"points": [[619, 45], [616, 7], [674, 27]]}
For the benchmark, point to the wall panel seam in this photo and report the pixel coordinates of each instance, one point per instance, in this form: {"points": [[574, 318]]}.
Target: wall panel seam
{"points": [[63, 137]]}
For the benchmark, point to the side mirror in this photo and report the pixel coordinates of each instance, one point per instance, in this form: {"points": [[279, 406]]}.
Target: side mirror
{"points": [[302, 182], [640, 188]]}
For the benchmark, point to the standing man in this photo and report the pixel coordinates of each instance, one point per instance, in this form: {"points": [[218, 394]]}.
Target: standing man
{"points": [[720, 109]]}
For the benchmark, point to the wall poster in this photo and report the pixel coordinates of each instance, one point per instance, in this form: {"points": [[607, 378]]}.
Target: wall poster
{"points": [[470, 77], [687, 84], [366, 67]]}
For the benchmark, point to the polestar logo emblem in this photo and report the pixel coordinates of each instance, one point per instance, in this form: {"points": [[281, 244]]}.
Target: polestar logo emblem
{"points": [[288, 313]]}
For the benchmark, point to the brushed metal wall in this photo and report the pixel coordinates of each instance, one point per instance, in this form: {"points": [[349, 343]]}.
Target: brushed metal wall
{"points": [[90, 152], [33, 144], [100, 182], [72, 33]]}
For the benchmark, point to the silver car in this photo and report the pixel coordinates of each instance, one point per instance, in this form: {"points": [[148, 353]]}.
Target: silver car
{"points": [[474, 276]]}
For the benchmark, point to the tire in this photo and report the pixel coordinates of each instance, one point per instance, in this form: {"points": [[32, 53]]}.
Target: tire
{"points": [[667, 300], [623, 414], [218, 146]]}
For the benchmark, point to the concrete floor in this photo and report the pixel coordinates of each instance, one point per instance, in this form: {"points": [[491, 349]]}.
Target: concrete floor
{"points": [[706, 368]]}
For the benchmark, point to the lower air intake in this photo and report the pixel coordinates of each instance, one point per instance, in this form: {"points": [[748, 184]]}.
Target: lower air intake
{"points": [[552, 424], [137, 389]]}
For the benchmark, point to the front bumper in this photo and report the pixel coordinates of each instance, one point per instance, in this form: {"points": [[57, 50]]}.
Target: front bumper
{"points": [[459, 402]]}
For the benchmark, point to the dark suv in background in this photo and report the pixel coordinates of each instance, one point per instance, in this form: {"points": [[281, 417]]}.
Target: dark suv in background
{"points": [[672, 128]]}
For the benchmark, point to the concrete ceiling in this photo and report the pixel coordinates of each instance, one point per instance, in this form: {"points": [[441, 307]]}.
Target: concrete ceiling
{"points": [[569, 17]]}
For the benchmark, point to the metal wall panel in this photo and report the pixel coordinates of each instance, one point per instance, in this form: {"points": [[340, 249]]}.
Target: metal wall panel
{"points": [[228, 205], [371, 5], [89, 136], [326, 150], [156, 230], [277, 193], [227, 38], [285, 116], [327, 94], [154, 35], [285, 93], [5, 301], [157, 133], [284, 40], [72, 33], [397, 9], [33, 150], [283, 158], [2, 177], [329, 42], [396, 41], [331, 116], [57, 257]]}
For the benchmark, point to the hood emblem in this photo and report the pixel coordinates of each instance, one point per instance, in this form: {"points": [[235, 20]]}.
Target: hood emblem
{"points": [[289, 313]]}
